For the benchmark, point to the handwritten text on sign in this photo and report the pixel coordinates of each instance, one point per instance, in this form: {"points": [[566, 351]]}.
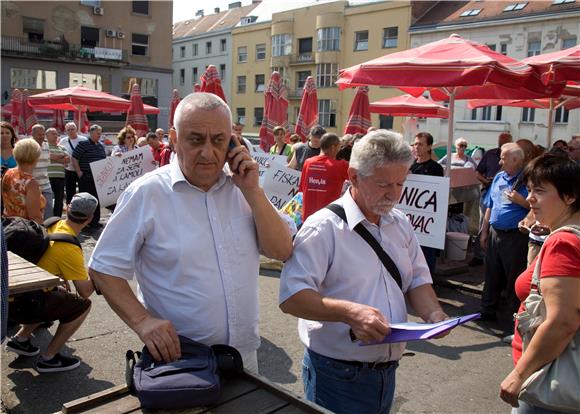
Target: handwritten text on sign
{"points": [[113, 174], [280, 184], [424, 201]]}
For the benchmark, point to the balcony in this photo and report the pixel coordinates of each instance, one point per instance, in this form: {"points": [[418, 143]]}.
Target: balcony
{"points": [[302, 59], [295, 94], [20, 46]]}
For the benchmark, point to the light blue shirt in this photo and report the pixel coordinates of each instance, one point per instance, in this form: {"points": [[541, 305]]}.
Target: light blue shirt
{"points": [[505, 215], [333, 260]]}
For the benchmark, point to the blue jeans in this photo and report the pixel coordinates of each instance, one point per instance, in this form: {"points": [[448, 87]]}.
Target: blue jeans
{"points": [[526, 408], [348, 389]]}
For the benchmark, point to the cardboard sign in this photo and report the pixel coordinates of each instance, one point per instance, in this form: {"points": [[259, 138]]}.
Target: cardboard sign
{"points": [[113, 174], [424, 201], [280, 184]]}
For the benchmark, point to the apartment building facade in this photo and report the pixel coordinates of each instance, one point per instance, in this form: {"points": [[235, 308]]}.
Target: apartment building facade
{"points": [[315, 40], [102, 45], [518, 29]]}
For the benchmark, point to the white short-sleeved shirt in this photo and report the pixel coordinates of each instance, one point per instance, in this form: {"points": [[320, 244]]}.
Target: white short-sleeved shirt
{"points": [[69, 145], [333, 260], [40, 171], [194, 255]]}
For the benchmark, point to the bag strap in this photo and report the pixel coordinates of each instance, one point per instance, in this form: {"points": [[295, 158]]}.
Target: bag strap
{"points": [[375, 245], [61, 237], [131, 358]]}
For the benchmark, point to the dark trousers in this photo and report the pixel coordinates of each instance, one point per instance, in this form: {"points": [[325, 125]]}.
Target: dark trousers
{"points": [[57, 185], [71, 180], [86, 184], [431, 258], [505, 259]]}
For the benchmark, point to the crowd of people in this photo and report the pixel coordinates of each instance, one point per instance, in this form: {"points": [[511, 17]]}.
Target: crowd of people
{"points": [[350, 271]]}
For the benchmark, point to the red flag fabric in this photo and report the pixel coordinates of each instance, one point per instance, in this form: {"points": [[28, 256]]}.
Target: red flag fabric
{"points": [[560, 66], [210, 82], [28, 114], [136, 115], [308, 114], [359, 117], [58, 120], [275, 111], [173, 106], [82, 121], [407, 105], [15, 119]]}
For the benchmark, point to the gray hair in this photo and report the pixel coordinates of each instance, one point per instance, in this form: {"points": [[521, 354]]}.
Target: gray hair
{"points": [[378, 148], [69, 124], [36, 127], [51, 130], [513, 149], [200, 101], [95, 127], [460, 141]]}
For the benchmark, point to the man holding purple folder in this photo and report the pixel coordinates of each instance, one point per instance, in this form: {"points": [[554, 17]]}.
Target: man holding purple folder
{"points": [[340, 288]]}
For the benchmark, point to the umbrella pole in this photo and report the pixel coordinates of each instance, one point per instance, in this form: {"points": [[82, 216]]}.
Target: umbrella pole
{"points": [[550, 122], [451, 129]]}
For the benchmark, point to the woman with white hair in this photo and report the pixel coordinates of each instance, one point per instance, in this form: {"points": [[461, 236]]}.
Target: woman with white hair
{"points": [[459, 158]]}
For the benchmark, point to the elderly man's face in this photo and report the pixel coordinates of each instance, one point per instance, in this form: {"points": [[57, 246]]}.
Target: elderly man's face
{"points": [[202, 145], [95, 135], [378, 193], [52, 137], [71, 131], [153, 142], [510, 163], [160, 133], [39, 135]]}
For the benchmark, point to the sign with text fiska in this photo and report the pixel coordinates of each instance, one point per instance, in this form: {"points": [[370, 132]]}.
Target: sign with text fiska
{"points": [[424, 200], [280, 184], [113, 174]]}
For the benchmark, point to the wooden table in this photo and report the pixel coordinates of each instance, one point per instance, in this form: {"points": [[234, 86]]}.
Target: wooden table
{"points": [[24, 276], [246, 394]]}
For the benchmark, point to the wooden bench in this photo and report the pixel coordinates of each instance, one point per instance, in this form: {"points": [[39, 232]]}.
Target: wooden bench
{"points": [[246, 394], [24, 276]]}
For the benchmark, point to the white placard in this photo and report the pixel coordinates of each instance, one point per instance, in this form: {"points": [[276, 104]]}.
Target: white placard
{"points": [[113, 174], [425, 200], [266, 160], [106, 53], [280, 184]]}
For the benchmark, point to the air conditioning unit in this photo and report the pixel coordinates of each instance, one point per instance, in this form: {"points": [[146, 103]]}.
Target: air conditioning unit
{"points": [[110, 33], [121, 35], [98, 11]]}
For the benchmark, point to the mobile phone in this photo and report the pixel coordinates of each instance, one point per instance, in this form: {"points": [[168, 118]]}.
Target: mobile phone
{"points": [[232, 144]]}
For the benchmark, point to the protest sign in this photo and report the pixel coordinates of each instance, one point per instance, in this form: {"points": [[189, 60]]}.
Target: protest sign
{"points": [[280, 184], [113, 174], [424, 200]]}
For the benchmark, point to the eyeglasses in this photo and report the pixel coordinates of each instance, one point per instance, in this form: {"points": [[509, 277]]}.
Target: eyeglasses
{"points": [[462, 146]]}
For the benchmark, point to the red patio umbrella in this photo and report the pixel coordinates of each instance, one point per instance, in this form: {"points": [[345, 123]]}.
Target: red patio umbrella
{"points": [[359, 117], [173, 106], [210, 82], [28, 114], [447, 64], [275, 111], [136, 114], [16, 104], [560, 66], [308, 113], [407, 105], [58, 120], [79, 98]]}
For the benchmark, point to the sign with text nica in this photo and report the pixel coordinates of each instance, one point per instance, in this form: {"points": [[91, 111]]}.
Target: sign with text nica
{"points": [[113, 174], [424, 201]]}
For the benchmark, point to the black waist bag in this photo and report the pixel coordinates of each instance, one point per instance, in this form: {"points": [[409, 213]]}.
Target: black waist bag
{"points": [[191, 381]]}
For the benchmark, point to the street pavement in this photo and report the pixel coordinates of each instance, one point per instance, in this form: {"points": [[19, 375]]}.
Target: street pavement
{"points": [[460, 373]]}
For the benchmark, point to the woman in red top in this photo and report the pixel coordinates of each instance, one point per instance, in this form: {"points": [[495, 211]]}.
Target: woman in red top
{"points": [[554, 196]]}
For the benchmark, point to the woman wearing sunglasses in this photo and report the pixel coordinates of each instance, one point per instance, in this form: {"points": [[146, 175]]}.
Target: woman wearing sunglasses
{"points": [[459, 158]]}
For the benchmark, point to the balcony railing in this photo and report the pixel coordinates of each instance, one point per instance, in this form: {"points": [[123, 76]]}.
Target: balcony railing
{"points": [[303, 58], [295, 93], [20, 46]]}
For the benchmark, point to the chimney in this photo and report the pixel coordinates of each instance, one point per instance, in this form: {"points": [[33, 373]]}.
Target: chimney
{"points": [[235, 5], [199, 13], [216, 10]]}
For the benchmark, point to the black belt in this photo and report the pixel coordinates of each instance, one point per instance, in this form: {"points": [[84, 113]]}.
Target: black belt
{"points": [[370, 365], [504, 230]]}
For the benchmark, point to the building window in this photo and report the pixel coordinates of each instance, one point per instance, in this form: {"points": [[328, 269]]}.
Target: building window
{"points": [[222, 71], [487, 113], [491, 46], [528, 114], [561, 116], [195, 49], [91, 3], [140, 44], [182, 51], [148, 85], [563, 1], [223, 45], [33, 28], [385, 122], [258, 116], [242, 54], [328, 38], [32, 79], [241, 115], [261, 51], [260, 83], [473, 12], [361, 40], [281, 70], [327, 113], [304, 45], [194, 75], [515, 7], [182, 76], [326, 75], [241, 84], [141, 7], [390, 37], [89, 37], [569, 42], [88, 80], [534, 47], [281, 45], [208, 48], [301, 78], [503, 48]]}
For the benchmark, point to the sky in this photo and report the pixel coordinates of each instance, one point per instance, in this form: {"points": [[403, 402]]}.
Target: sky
{"points": [[185, 9]]}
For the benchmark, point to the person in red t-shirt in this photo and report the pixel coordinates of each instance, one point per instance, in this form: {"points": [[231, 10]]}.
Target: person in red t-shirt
{"points": [[554, 198], [156, 146], [322, 176]]}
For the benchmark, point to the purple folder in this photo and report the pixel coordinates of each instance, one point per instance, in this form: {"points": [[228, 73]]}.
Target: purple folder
{"points": [[410, 331]]}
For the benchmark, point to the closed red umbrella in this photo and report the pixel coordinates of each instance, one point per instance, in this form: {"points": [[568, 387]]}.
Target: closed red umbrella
{"points": [[308, 114], [58, 120], [275, 111], [16, 103], [196, 87], [173, 106], [136, 114], [28, 114], [407, 105], [359, 117], [560, 66], [82, 121], [210, 82]]}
